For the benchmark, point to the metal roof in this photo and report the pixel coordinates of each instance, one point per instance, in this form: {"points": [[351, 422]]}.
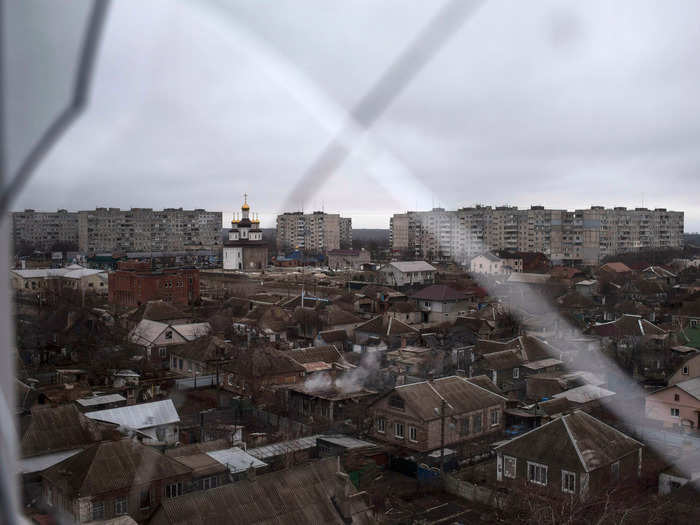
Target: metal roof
{"points": [[346, 441], [585, 393], [691, 386], [236, 459], [100, 400], [146, 415], [413, 266], [284, 447]]}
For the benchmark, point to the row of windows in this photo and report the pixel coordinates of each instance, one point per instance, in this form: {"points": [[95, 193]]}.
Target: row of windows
{"points": [[537, 473], [471, 423]]}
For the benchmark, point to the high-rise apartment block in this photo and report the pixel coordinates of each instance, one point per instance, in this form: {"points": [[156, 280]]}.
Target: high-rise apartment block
{"points": [[316, 232], [113, 230], [580, 236], [345, 232], [44, 230]]}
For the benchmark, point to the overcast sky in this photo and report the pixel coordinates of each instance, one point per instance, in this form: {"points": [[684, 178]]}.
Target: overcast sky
{"points": [[564, 104]]}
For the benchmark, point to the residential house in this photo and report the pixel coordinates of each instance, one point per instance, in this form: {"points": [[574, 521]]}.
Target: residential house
{"points": [[99, 402], [271, 322], [509, 363], [325, 402], [54, 280], [315, 492], [237, 461], [488, 264], [199, 357], [659, 273], [155, 337], [411, 416], [676, 406], [614, 269], [157, 422], [684, 470], [409, 273], [406, 311], [439, 303], [387, 328], [112, 479], [253, 371], [48, 435], [575, 454], [337, 338], [689, 369]]}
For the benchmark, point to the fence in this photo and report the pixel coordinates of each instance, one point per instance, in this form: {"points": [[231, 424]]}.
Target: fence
{"points": [[475, 493], [189, 382]]}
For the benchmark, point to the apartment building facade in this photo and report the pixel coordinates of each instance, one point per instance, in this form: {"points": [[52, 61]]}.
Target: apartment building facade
{"points": [[145, 229], [345, 233], [44, 230], [579, 236], [316, 232], [115, 230]]}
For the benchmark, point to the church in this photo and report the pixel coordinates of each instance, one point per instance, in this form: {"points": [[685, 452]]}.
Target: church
{"points": [[244, 249]]}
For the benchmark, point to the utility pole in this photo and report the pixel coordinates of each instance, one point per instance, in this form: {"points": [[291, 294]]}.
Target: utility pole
{"points": [[442, 436]]}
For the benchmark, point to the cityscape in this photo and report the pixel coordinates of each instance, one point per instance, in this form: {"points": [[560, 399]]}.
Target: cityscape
{"points": [[349, 263], [472, 351]]}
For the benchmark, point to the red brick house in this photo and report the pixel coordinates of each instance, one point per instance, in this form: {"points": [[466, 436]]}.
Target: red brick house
{"points": [[136, 287]]}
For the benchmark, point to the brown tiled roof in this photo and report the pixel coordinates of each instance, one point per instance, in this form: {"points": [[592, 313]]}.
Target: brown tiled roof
{"points": [[207, 348], [461, 395], [575, 441], [404, 307], [53, 429], [486, 346], [484, 382], [334, 315], [269, 317], [298, 495], [628, 325], [162, 311], [333, 336], [381, 326], [110, 466], [313, 354], [439, 292], [262, 361], [502, 360], [617, 267]]}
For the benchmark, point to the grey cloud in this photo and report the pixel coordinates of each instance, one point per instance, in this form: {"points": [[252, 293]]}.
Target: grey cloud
{"points": [[565, 104]]}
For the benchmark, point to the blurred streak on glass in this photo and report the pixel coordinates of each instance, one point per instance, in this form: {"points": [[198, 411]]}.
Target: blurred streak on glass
{"points": [[41, 49]]}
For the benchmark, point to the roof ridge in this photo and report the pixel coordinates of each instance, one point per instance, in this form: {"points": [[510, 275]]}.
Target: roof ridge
{"points": [[466, 379], [439, 395], [573, 442]]}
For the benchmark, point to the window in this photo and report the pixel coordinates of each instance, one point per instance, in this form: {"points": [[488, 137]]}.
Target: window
{"points": [[464, 426], [98, 510], [381, 425], [398, 430], [209, 483], [685, 370], [676, 397], [516, 373], [476, 423], [537, 473], [568, 482], [169, 334], [163, 351], [230, 380], [145, 499], [509, 467], [121, 506], [173, 490], [412, 434], [49, 496], [396, 402], [676, 412], [494, 417], [615, 470]]}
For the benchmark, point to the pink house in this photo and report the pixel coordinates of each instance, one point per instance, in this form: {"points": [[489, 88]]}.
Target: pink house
{"points": [[676, 405]]}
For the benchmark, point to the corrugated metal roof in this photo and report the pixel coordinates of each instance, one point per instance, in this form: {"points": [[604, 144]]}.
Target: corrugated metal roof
{"points": [[585, 393], [236, 459], [146, 415], [413, 266], [283, 447], [193, 330], [100, 400], [346, 441], [691, 386]]}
